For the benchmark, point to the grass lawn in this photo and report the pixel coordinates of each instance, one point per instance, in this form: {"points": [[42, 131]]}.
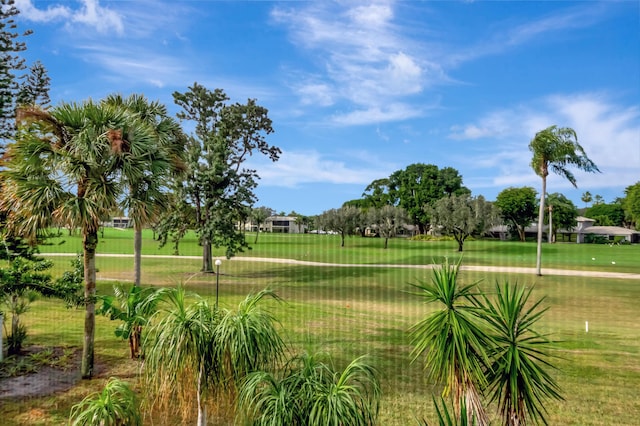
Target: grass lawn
{"points": [[352, 311]]}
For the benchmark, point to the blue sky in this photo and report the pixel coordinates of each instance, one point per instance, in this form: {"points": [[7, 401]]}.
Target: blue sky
{"points": [[357, 90]]}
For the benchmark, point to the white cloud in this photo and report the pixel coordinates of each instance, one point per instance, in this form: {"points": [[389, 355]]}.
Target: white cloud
{"points": [[375, 114], [609, 133], [91, 14], [299, 167], [366, 60], [51, 13]]}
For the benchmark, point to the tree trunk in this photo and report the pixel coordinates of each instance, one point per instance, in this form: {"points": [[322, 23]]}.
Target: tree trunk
{"points": [[460, 244], [90, 241], [207, 257], [342, 239], [386, 242], [540, 224], [521, 233], [137, 254], [15, 344], [202, 409], [257, 232]]}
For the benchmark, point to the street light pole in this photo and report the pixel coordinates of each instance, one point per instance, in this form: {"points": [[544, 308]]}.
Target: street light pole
{"points": [[218, 263]]}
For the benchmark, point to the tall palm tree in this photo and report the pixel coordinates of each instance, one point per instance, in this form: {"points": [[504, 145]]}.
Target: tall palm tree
{"points": [[453, 340], [146, 199], [517, 378], [63, 170], [556, 148]]}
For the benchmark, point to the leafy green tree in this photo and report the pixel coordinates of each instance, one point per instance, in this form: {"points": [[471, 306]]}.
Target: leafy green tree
{"points": [[518, 379], [145, 183], [134, 308], [310, 391], [556, 149], [387, 220], [64, 170], [258, 217], [453, 340], [608, 214], [631, 204], [116, 405], [598, 199], [377, 194], [217, 184], [586, 198], [20, 283], [518, 208], [421, 185], [463, 216], [344, 221], [563, 214]]}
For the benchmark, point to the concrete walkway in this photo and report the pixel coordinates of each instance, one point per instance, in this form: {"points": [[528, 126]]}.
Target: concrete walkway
{"points": [[507, 269]]}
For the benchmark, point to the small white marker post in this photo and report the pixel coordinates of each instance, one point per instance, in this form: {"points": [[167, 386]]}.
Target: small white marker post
{"points": [[586, 326]]}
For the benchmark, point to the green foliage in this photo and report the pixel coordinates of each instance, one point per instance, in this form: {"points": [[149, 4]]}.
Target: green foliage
{"points": [[310, 391], [387, 221], [116, 405], [452, 338], [518, 208], [606, 214], [563, 210], [462, 216], [134, 308], [631, 204], [420, 185], [213, 349], [217, 184], [517, 379], [345, 221]]}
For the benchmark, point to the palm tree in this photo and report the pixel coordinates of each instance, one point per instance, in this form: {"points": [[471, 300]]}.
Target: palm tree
{"points": [[517, 378], [145, 199], [556, 148], [63, 170], [134, 308], [453, 340]]}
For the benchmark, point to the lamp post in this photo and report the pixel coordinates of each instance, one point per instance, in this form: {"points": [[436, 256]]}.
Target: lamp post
{"points": [[217, 263]]}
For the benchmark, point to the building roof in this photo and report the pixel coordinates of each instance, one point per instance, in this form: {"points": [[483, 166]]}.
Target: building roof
{"points": [[609, 230]]}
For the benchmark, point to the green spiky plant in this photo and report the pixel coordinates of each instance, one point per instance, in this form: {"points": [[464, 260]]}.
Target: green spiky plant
{"points": [[215, 349], [453, 340], [311, 391], [116, 405], [518, 377]]}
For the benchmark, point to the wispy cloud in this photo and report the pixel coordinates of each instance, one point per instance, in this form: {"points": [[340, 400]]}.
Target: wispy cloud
{"points": [[295, 168], [609, 133], [366, 59], [510, 35]]}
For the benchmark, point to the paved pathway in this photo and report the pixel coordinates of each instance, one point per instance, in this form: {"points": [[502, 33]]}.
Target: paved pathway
{"points": [[508, 269]]}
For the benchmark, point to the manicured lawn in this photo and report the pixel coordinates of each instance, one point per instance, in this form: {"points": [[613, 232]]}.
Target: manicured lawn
{"points": [[326, 248], [351, 311]]}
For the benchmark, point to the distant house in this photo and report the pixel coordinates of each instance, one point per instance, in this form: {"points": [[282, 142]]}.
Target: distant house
{"points": [[119, 222], [585, 227], [278, 224]]}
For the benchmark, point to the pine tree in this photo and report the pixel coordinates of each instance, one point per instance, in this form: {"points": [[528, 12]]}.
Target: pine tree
{"points": [[34, 89], [11, 63]]}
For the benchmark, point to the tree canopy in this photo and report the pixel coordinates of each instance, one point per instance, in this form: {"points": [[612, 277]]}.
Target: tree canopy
{"points": [[463, 216], [517, 207], [217, 184], [631, 204], [563, 214]]}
